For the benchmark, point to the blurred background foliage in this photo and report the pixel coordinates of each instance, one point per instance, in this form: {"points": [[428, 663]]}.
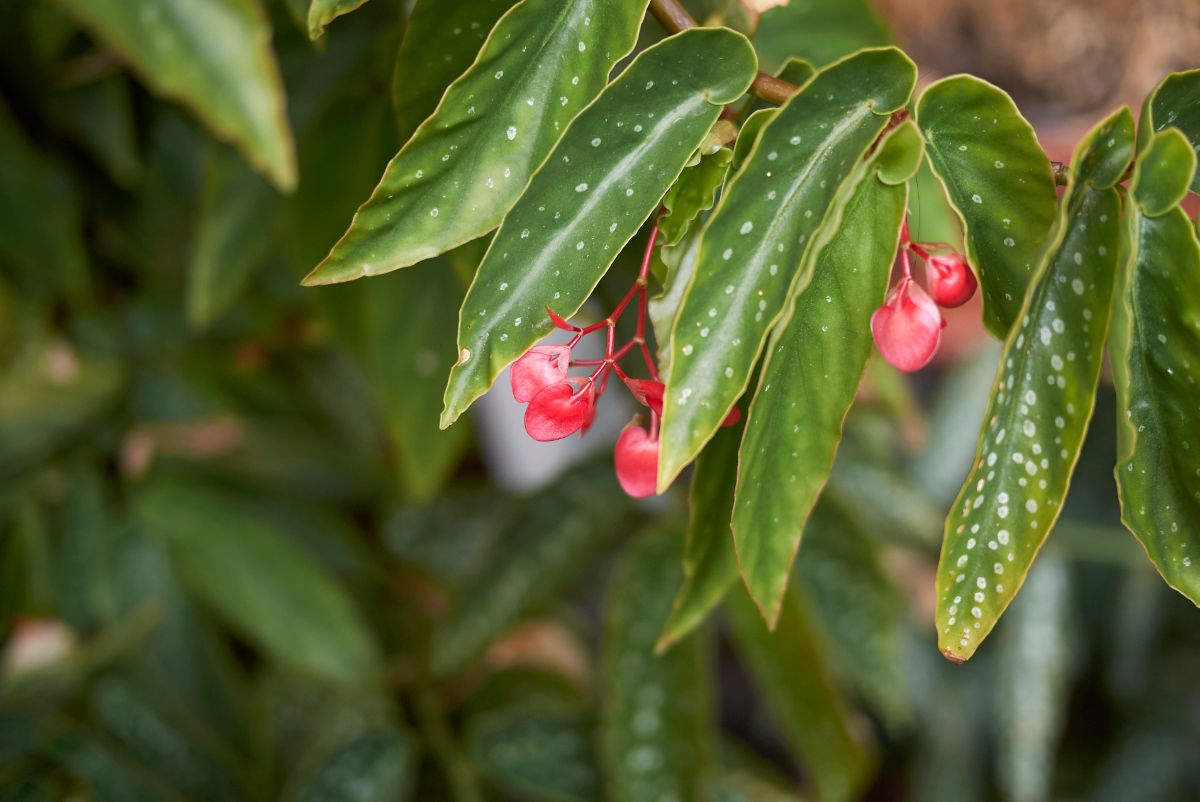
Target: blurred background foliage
{"points": [[238, 560]]}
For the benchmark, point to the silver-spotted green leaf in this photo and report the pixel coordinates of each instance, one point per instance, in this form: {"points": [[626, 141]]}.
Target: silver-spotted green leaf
{"points": [[790, 669], [537, 554], [654, 733], [260, 582], [678, 263], [1174, 103], [1156, 367], [694, 192], [214, 57], [379, 765], [440, 43], [465, 166], [1042, 401], [998, 180], [709, 560], [323, 12], [819, 31], [792, 433], [756, 241], [606, 176], [541, 752]]}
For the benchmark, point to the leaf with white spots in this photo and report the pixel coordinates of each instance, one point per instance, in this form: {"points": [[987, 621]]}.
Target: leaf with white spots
{"points": [[1174, 103], [440, 42], [214, 57], [1042, 401], [465, 166], [323, 12], [606, 176], [752, 248], [792, 433], [655, 722], [997, 179], [1156, 367], [790, 669]]}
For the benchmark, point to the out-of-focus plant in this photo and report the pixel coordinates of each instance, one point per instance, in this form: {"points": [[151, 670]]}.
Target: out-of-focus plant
{"points": [[248, 550]]}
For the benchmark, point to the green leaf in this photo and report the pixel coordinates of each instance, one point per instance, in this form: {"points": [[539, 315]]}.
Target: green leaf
{"points": [[323, 12], [100, 117], [818, 31], [379, 765], [440, 43], [998, 180], [262, 584], [215, 58], [769, 216], [1042, 401], [543, 753], [1174, 103], [466, 165], [901, 154], [1156, 365], [695, 192], [44, 249], [605, 177], [235, 231], [789, 669], [709, 560], [824, 339], [538, 554], [654, 733], [748, 135]]}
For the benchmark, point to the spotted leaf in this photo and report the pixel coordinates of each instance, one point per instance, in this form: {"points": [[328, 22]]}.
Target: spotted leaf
{"points": [[465, 166], [1156, 366], [602, 181], [214, 57], [1174, 103], [1042, 401], [760, 234], [792, 432], [998, 181]]}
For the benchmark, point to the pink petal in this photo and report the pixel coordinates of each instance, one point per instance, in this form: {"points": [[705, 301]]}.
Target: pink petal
{"points": [[558, 411], [648, 392], [538, 367], [908, 327], [949, 279], [636, 461]]}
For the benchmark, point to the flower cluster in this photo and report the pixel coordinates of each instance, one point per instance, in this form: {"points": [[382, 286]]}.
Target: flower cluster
{"points": [[908, 327]]}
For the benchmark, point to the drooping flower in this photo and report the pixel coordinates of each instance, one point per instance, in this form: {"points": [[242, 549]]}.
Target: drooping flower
{"points": [[559, 410], [949, 279], [636, 460], [648, 392], [540, 366], [908, 327]]}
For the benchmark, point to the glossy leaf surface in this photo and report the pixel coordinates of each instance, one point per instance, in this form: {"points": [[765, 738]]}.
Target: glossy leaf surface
{"points": [[644, 762], [754, 246], [818, 31], [540, 752], [1156, 367], [1174, 103], [214, 57], [440, 43], [1042, 401], [602, 181], [323, 12], [466, 165], [263, 584], [792, 432], [998, 181]]}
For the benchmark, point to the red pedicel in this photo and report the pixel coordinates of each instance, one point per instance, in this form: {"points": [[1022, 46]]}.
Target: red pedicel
{"points": [[636, 460], [540, 366], [908, 327], [949, 279], [559, 410]]}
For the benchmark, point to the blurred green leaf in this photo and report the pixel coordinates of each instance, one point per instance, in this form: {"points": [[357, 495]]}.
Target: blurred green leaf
{"points": [[441, 42], [1042, 401], [99, 115], [1175, 102], [818, 31], [106, 774], [538, 753], [379, 765], [488, 129], [654, 733], [805, 159], [587, 201], [1156, 362], [323, 12], [214, 57], [264, 586], [998, 180]]}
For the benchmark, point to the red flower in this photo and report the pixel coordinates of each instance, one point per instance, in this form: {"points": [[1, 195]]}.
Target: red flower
{"points": [[648, 392], [908, 327], [636, 460], [949, 279], [559, 410], [538, 367]]}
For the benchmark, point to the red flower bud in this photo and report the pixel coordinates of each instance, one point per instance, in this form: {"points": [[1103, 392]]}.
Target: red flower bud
{"points": [[908, 327], [648, 392], [949, 279], [539, 366], [732, 418], [559, 410], [636, 460]]}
